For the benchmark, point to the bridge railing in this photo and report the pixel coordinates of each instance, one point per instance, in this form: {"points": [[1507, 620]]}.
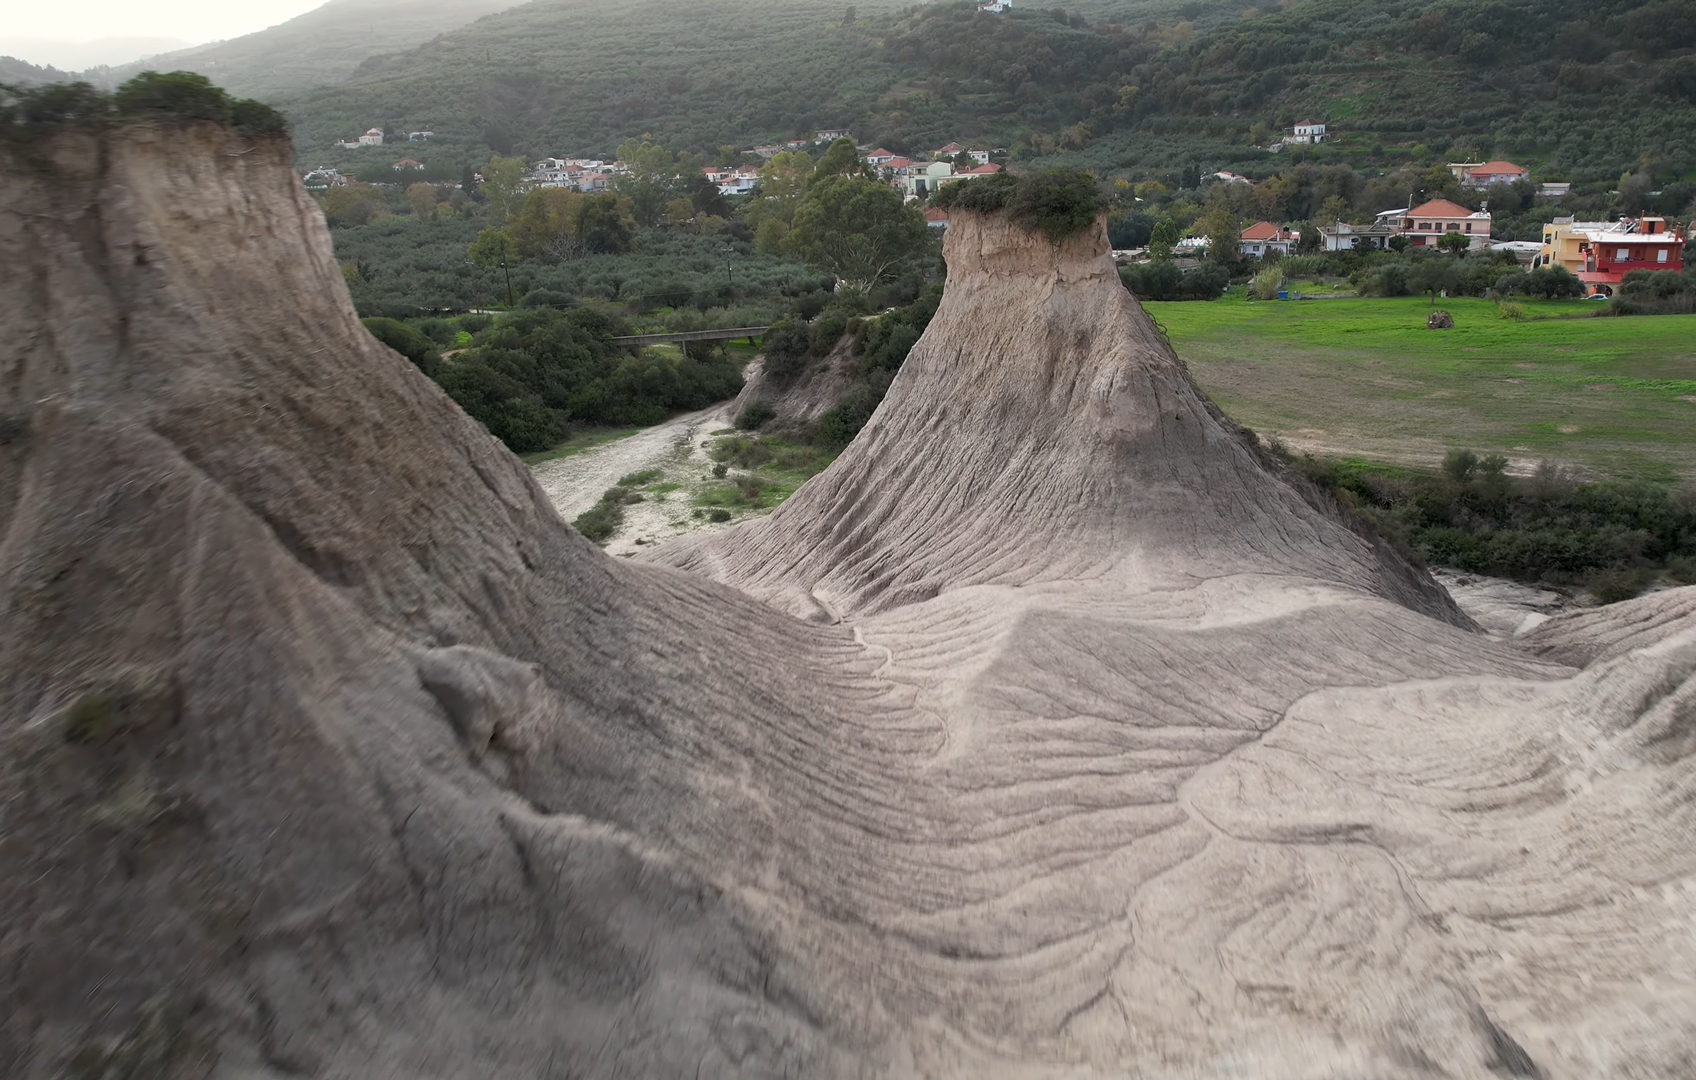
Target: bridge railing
{"points": [[693, 335]]}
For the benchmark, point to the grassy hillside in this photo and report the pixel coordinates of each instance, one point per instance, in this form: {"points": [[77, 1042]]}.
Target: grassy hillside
{"points": [[1582, 89]]}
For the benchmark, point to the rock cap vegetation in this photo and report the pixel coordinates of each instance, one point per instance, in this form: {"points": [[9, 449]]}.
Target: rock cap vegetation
{"points": [[1059, 203], [179, 97]]}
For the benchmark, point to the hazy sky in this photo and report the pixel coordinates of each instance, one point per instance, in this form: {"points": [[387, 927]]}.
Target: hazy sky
{"points": [[52, 29]]}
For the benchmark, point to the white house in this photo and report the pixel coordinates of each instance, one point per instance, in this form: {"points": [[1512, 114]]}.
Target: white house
{"points": [[996, 7], [1264, 237], [1308, 131], [829, 135], [374, 137], [925, 178], [1342, 236], [419, 136]]}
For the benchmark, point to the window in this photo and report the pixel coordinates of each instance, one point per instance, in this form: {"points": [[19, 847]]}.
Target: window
{"points": [[1453, 227], [1661, 255], [1622, 255]]}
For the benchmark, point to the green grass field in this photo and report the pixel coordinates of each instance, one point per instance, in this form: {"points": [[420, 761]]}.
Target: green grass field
{"points": [[1364, 378]]}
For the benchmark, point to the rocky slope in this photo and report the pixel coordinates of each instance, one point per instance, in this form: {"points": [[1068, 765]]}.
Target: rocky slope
{"points": [[327, 749]]}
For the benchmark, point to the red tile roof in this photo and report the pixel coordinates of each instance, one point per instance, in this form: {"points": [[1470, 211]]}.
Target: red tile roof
{"points": [[1262, 230], [1498, 168], [981, 170], [1439, 208], [933, 214]]}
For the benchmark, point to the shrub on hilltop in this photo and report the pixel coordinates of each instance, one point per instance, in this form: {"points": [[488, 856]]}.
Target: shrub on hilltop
{"points": [[180, 97], [1058, 203]]}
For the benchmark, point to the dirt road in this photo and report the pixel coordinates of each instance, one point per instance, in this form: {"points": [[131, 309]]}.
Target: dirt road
{"points": [[574, 484]]}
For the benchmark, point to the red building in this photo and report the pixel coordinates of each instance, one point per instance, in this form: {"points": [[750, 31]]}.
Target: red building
{"points": [[1643, 244]]}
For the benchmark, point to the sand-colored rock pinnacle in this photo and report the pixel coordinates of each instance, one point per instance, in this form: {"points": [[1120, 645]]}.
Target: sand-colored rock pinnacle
{"points": [[1049, 733]]}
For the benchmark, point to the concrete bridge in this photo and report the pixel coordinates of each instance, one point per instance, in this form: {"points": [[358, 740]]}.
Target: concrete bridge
{"points": [[749, 332]]}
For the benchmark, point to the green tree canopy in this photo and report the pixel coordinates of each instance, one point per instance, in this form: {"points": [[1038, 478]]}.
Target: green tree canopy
{"points": [[840, 159], [858, 229], [1432, 275], [502, 185]]}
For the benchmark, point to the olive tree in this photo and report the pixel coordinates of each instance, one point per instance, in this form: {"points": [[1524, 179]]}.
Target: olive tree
{"points": [[858, 229]]}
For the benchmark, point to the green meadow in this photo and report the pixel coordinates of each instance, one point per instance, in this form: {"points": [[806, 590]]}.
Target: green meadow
{"points": [[1363, 378]]}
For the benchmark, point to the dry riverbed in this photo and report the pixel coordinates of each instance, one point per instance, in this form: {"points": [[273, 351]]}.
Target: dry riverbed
{"points": [[677, 451]]}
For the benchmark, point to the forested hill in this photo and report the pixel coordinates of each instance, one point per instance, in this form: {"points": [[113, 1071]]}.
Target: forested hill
{"points": [[1581, 89]]}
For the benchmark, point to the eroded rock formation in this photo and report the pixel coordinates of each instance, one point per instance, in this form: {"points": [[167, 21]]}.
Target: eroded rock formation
{"points": [[1048, 733]]}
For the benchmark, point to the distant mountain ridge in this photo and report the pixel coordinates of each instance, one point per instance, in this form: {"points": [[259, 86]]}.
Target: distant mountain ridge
{"points": [[1147, 84], [323, 46]]}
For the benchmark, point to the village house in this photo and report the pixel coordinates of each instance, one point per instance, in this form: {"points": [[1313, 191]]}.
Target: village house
{"points": [[1482, 174], [936, 219], [1307, 132], [373, 137], [995, 7], [573, 174], [946, 153], [420, 136], [923, 178], [406, 163], [322, 179], [1426, 223], [1231, 178], [1552, 190], [1601, 253], [878, 157], [830, 135], [1343, 236], [920, 179], [737, 181], [1262, 238]]}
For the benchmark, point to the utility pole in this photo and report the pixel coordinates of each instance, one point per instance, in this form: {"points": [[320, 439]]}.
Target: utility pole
{"points": [[506, 272]]}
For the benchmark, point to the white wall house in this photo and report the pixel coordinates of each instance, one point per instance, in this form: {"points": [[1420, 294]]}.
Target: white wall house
{"points": [[1308, 131], [374, 137]]}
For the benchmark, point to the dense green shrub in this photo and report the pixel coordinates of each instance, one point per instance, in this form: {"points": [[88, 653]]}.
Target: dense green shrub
{"points": [[1612, 536], [601, 521], [837, 428], [180, 97], [1163, 280], [406, 341], [1056, 202], [786, 344], [534, 371], [1544, 283], [509, 409], [755, 415]]}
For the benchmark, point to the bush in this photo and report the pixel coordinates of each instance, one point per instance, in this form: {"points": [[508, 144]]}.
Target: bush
{"points": [[755, 415], [512, 413], [180, 97], [786, 344], [1056, 202], [1543, 528], [408, 342], [1162, 280], [718, 513], [545, 298], [825, 332], [1265, 285], [1389, 279]]}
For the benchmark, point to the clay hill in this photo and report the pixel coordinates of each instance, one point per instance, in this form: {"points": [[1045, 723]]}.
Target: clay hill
{"points": [[1049, 733]]}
